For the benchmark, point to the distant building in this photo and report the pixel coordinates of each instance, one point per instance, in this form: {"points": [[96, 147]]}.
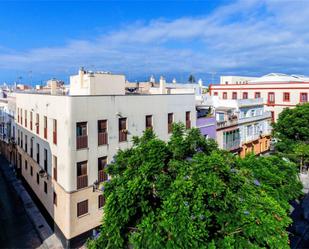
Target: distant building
{"points": [[278, 91], [242, 125]]}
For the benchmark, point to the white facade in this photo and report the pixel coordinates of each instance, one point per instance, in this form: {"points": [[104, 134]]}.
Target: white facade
{"points": [[228, 80]]}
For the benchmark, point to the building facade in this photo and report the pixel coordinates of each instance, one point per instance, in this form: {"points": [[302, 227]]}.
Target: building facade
{"points": [[278, 91], [64, 142]]}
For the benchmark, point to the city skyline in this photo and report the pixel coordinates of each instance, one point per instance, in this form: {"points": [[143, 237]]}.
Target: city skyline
{"points": [[173, 38]]}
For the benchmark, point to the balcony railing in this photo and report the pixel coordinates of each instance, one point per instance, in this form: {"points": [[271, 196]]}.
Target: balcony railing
{"points": [[122, 135], [102, 176], [55, 137], [169, 128], [55, 174], [82, 181], [102, 138], [45, 132], [81, 142], [188, 124], [232, 145]]}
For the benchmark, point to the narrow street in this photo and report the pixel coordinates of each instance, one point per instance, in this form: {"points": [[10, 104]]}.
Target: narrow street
{"points": [[16, 230]]}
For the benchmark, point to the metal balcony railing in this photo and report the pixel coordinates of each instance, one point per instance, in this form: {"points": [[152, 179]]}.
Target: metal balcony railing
{"points": [[81, 142], [82, 181], [102, 176], [102, 138]]}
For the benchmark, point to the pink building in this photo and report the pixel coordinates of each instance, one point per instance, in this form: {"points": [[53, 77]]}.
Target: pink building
{"points": [[278, 91]]}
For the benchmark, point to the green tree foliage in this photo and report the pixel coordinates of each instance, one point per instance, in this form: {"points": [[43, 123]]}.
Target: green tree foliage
{"points": [[291, 128], [189, 194]]}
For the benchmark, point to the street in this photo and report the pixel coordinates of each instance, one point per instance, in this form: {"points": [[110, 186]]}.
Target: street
{"points": [[16, 230]]}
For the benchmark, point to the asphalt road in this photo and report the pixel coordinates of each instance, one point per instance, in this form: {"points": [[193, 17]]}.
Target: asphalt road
{"points": [[16, 230]]}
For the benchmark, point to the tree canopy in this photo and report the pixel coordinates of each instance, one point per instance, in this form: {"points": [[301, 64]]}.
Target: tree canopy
{"points": [[191, 78], [292, 132], [186, 193]]}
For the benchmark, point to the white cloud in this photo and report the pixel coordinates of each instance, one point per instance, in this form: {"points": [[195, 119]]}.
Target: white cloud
{"points": [[245, 37]]}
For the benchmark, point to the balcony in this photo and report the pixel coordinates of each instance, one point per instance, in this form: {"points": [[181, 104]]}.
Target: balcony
{"points": [[169, 128], [102, 138], [227, 123], [45, 132], [102, 176], [250, 102], [232, 145], [82, 181], [55, 137], [188, 124], [122, 135], [55, 174], [82, 142], [265, 115]]}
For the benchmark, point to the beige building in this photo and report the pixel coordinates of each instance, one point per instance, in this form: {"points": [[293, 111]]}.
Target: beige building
{"points": [[64, 141], [278, 91]]}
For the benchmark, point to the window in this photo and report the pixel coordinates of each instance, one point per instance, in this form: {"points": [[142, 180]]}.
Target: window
{"points": [[26, 164], [45, 159], [170, 119], [257, 95], [249, 130], [286, 97], [54, 131], [21, 116], [45, 127], [55, 198], [122, 123], [102, 132], [271, 98], [272, 116], [55, 162], [148, 122], [188, 120], [82, 208], [244, 95], [38, 153], [102, 176], [31, 117], [215, 93], [224, 95], [45, 187], [82, 177], [37, 123], [18, 119], [26, 143], [303, 97], [18, 137], [31, 147], [81, 135], [234, 95], [101, 201], [220, 116], [252, 113], [26, 118], [37, 178], [31, 170], [21, 139]]}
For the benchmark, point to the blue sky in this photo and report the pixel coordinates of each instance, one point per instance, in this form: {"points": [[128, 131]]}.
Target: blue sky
{"points": [[140, 38]]}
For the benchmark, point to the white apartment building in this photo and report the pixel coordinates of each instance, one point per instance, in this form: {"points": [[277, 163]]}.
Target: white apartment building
{"points": [[237, 80], [278, 91], [64, 142]]}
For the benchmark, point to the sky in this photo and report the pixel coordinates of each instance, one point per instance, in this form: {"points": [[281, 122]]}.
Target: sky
{"points": [[40, 40]]}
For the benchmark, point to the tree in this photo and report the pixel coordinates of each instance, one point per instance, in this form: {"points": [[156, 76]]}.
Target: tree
{"points": [[301, 151], [191, 79], [292, 130], [189, 194]]}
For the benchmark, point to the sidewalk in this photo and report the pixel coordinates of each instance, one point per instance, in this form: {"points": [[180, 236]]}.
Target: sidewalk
{"points": [[49, 239]]}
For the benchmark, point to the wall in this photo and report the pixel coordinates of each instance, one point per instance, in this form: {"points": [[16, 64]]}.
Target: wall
{"points": [[207, 126]]}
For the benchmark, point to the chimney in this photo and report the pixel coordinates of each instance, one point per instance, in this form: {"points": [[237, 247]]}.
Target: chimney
{"points": [[174, 81], [53, 87], [152, 79], [81, 74], [162, 85]]}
